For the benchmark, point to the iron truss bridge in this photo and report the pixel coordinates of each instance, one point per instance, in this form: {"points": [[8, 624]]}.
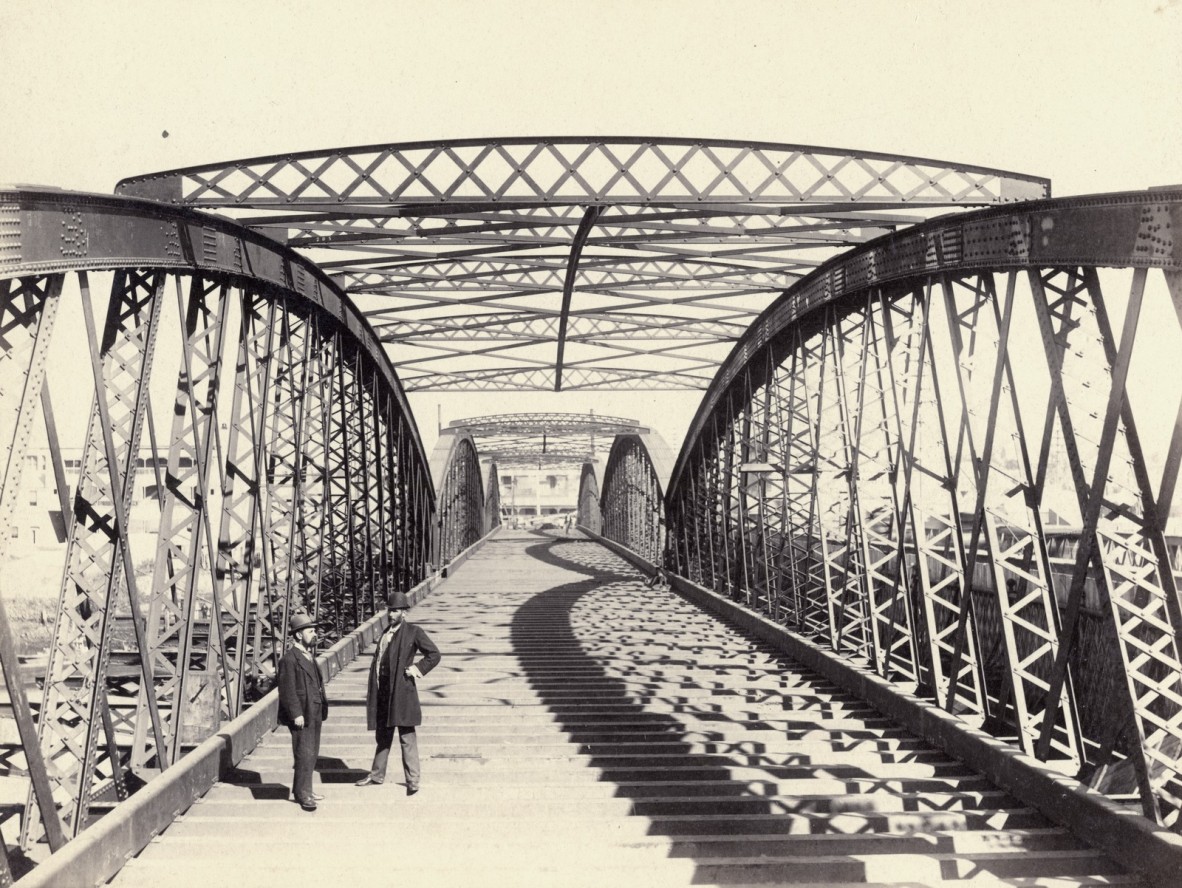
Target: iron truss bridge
{"points": [[573, 263], [926, 453]]}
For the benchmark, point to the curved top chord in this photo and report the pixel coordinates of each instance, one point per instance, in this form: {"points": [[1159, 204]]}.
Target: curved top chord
{"points": [[1125, 229], [51, 231], [574, 261], [589, 170]]}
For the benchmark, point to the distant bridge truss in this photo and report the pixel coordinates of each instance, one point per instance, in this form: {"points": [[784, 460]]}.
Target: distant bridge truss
{"points": [[464, 506], [631, 497], [286, 472], [926, 455], [574, 263], [536, 439]]}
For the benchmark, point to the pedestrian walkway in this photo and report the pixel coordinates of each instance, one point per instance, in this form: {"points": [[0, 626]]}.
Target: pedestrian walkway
{"points": [[584, 730]]}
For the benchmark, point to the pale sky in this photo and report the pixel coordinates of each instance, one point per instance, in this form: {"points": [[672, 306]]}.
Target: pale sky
{"points": [[1085, 93]]}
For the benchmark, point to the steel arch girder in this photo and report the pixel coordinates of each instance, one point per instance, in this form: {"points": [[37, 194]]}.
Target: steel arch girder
{"points": [[945, 439], [145, 245]]}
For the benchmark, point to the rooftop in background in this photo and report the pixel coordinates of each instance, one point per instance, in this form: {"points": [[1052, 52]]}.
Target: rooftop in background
{"points": [[574, 263]]}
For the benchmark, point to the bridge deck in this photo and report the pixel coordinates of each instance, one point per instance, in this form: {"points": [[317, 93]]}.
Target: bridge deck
{"points": [[585, 730]]}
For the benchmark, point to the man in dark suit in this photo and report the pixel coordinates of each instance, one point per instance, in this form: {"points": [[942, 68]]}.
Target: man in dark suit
{"points": [[392, 700], [303, 705]]}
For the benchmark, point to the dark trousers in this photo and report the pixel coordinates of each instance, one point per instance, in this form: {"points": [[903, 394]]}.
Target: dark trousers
{"points": [[409, 741], [305, 747]]}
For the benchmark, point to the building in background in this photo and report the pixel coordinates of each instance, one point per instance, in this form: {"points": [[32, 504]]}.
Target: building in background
{"points": [[530, 495]]}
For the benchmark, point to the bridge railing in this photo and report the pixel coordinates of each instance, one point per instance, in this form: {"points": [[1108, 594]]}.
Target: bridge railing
{"points": [[948, 455], [233, 403]]}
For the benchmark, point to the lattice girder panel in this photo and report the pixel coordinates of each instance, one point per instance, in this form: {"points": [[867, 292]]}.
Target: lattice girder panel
{"points": [[718, 513], [771, 491], [702, 552], [1122, 529], [344, 543], [95, 582], [424, 226], [795, 417], [295, 349], [691, 508], [383, 505], [400, 479], [733, 505], [759, 531], [847, 589], [808, 426], [901, 354], [878, 453], [185, 539], [1005, 530], [315, 398], [930, 490], [353, 505], [1007, 631], [369, 436], [28, 309], [241, 557]]}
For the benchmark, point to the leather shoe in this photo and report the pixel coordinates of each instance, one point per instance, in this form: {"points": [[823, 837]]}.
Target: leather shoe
{"points": [[316, 797], [411, 790], [307, 804], [368, 780]]}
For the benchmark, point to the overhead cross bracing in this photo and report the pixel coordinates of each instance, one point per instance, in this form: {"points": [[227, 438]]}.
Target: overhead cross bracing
{"points": [[573, 262], [536, 439]]}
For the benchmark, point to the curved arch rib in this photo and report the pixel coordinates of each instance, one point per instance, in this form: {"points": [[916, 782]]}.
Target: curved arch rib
{"points": [[866, 441]]}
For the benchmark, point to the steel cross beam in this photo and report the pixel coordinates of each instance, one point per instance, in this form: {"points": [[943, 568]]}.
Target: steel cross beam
{"points": [[596, 236]]}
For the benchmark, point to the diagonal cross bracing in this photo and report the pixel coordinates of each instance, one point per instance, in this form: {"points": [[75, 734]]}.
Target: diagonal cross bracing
{"points": [[427, 229]]}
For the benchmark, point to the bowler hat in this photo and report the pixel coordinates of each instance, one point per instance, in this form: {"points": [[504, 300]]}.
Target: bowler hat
{"points": [[398, 601], [300, 620]]}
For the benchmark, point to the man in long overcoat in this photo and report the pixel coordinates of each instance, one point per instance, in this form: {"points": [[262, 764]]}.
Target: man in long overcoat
{"points": [[303, 705], [392, 699]]}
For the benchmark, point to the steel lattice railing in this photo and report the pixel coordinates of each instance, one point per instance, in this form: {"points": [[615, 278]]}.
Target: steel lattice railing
{"points": [[927, 455], [285, 472]]}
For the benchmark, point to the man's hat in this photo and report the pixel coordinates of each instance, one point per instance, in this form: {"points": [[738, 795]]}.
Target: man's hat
{"points": [[300, 620], [398, 601]]}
